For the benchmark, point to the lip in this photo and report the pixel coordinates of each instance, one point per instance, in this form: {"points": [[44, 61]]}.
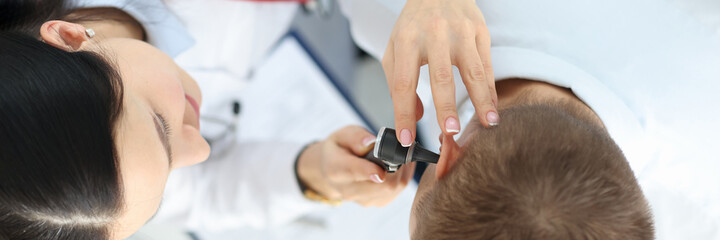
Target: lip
{"points": [[194, 105]]}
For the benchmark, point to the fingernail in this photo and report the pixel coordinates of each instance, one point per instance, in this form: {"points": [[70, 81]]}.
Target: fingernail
{"points": [[405, 138], [492, 118], [376, 178], [452, 125], [368, 141]]}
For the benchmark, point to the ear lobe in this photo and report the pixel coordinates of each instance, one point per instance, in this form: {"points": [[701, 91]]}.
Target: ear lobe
{"points": [[63, 35], [449, 153]]}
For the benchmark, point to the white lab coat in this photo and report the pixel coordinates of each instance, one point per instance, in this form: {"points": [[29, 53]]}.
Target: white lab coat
{"points": [[648, 68], [248, 183]]}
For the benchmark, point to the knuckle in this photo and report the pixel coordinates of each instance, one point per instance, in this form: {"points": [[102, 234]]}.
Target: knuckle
{"points": [[403, 83], [403, 116], [476, 74], [406, 36], [438, 23], [468, 25], [445, 108], [465, 28], [443, 76]]}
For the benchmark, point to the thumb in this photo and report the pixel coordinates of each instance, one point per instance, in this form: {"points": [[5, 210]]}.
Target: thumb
{"points": [[355, 139]]}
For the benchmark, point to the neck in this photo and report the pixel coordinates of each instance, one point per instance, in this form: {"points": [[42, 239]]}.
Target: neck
{"points": [[514, 92], [108, 23]]}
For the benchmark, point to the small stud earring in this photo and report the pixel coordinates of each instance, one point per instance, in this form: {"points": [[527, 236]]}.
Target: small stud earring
{"points": [[90, 32]]}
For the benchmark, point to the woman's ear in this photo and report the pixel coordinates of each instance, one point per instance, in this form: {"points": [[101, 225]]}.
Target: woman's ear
{"points": [[63, 35], [449, 153]]}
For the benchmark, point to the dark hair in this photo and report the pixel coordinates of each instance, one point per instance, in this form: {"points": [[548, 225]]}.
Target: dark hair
{"points": [[59, 171], [545, 173], [26, 16]]}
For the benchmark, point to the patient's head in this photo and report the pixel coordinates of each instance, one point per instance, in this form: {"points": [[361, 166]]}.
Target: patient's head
{"points": [[547, 172]]}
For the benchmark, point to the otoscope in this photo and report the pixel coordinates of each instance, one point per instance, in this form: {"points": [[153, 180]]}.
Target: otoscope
{"points": [[391, 155]]}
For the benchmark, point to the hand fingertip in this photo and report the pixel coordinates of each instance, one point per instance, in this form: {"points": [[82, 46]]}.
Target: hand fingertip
{"points": [[405, 138], [492, 118], [368, 141], [452, 126], [376, 178]]}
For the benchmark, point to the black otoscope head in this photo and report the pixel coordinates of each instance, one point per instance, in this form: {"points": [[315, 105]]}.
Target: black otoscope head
{"points": [[390, 154]]}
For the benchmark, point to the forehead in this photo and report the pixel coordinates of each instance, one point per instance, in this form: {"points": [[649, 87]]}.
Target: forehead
{"points": [[138, 62]]}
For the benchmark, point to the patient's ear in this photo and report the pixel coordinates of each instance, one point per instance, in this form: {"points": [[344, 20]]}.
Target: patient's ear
{"points": [[63, 35], [449, 153]]}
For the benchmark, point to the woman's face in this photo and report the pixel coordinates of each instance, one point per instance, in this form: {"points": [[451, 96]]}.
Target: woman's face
{"points": [[158, 129]]}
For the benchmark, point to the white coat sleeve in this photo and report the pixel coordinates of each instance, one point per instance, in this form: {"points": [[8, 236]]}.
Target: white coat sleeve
{"points": [[163, 29], [251, 185], [371, 22]]}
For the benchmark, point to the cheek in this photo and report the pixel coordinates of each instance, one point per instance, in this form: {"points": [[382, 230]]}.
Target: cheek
{"points": [[171, 95]]}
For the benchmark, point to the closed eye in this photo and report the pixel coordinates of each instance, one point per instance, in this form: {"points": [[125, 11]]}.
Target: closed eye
{"points": [[164, 131]]}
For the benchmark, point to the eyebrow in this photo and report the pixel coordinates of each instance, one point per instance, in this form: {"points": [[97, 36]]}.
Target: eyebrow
{"points": [[160, 126]]}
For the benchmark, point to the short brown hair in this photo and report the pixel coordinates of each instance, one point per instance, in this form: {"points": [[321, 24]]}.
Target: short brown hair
{"points": [[547, 172]]}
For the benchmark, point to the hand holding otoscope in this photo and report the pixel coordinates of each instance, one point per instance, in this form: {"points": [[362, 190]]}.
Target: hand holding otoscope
{"points": [[334, 170], [391, 155]]}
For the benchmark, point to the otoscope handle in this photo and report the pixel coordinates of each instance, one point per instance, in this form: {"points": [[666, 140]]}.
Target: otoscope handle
{"points": [[370, 157]]}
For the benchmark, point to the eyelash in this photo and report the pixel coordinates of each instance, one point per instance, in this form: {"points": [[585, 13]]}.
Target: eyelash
{"points": [[166, 127]]}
